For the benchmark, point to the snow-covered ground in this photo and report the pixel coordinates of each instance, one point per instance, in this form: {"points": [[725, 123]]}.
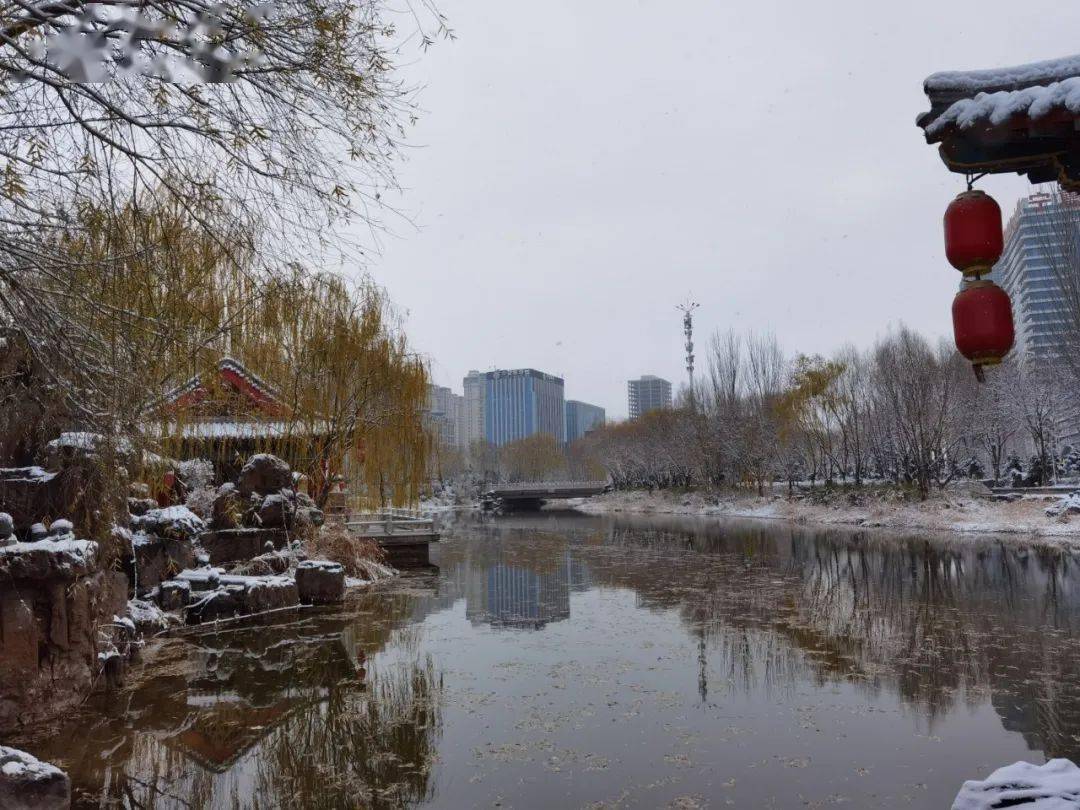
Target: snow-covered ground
{"points": [[946, 512]]}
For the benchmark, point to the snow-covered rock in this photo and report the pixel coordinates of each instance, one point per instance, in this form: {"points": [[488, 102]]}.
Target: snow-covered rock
{"points": [[27, 783], [1069, 505], [276, 511], [171, 522], [61, 528], [146, 617], [1053, 786], [264, 473], [7, 530], [65, 559]]}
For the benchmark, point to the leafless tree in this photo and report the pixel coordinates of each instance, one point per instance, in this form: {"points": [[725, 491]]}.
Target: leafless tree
{"points": [[915, 386], [1040, 402]]}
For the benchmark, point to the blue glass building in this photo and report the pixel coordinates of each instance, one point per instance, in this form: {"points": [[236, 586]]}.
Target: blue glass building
{"points": [[522, 402], [581, 417]]}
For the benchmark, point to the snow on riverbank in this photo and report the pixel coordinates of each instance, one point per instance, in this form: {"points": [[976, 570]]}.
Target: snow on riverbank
{"points": [[947, 512]]}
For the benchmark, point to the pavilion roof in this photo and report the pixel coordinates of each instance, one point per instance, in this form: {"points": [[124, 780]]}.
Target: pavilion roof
{"points": [[1023, 119], [235, 375]]}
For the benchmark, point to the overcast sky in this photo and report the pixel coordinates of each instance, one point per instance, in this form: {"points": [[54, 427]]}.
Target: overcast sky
{"points": [[582, 166]]}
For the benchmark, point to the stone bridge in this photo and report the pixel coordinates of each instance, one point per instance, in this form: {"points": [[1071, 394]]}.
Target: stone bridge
{"points": [[533, 494]]}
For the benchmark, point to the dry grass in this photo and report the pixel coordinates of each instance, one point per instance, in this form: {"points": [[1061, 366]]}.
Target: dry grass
{"points": [[361, 557]]}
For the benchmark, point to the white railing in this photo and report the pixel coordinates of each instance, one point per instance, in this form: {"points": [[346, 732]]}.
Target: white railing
{"points": [[389, 521]]}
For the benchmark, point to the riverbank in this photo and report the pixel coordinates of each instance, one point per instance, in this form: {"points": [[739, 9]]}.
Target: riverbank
{"points": [[879, 509]]}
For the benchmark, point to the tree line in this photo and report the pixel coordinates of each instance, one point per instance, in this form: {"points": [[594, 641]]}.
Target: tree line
{"points": [[906, 411]]}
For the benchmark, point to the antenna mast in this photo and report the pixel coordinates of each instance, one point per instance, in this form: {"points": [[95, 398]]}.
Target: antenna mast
{"points": [[687, 310]]}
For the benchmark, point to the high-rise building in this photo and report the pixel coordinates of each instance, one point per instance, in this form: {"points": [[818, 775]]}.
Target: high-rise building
{"points": [[472, 416], [444, 414], [1037, 236], [1041, 238], [521, 402], [581, 417], [648, 394]]}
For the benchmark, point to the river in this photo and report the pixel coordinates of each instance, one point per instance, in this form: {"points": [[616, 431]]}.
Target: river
{"points": [[559, 660]]}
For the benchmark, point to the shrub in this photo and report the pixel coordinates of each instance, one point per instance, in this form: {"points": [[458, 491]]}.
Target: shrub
{"points": [[359, 556]]}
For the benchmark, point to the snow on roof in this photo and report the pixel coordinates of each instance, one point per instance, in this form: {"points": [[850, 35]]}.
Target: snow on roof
{"points": [[242, 430], [998, 107], [83, 440], [1007, 78], [91, 442], [1053, 786]]}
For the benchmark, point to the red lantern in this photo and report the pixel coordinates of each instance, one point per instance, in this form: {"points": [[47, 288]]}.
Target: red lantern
{"points": [[973, 238], [983, 323]]}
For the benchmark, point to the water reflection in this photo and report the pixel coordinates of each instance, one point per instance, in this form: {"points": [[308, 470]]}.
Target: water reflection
{"points": [[721, 662], [936, 621], [280, 714], [507, 583]]}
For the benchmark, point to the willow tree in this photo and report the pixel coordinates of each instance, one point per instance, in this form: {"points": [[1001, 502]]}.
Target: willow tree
{"points": [[350, 390], [162, 301], [279, 121]]}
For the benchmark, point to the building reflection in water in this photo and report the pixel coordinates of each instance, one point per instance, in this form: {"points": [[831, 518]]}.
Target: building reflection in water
{"points": [[515, 585]]}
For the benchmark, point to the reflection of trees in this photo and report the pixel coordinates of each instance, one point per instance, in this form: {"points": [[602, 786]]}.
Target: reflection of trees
{"points": [[933, 620], [373, 749], [282, 714]]}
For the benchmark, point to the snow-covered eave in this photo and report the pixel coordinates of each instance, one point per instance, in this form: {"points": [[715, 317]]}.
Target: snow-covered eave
{"points": [[1004, 107], [963, 99], [970, 82], [238, 430]]}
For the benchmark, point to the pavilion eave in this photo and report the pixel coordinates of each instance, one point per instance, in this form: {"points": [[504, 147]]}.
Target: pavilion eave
{"points": [[1022, 120]]}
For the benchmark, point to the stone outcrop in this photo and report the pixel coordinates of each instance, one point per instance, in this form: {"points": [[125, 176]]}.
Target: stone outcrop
{"points": [[228, 508], [320, 582], [260, 512], [171, 523], [277, 511], [56, 617], [157, 559], [60, 560], [26, 783], [238, 545], [264, 474], [214, 595], [29, 492]]}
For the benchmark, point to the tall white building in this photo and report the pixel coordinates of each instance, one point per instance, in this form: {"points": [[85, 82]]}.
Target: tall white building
{"points": [[1042, 234], [1035, 239], [472, 416], [444, 412]]}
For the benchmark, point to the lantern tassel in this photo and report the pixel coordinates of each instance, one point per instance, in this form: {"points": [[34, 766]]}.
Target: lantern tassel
{"points": [[980, 375]]}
